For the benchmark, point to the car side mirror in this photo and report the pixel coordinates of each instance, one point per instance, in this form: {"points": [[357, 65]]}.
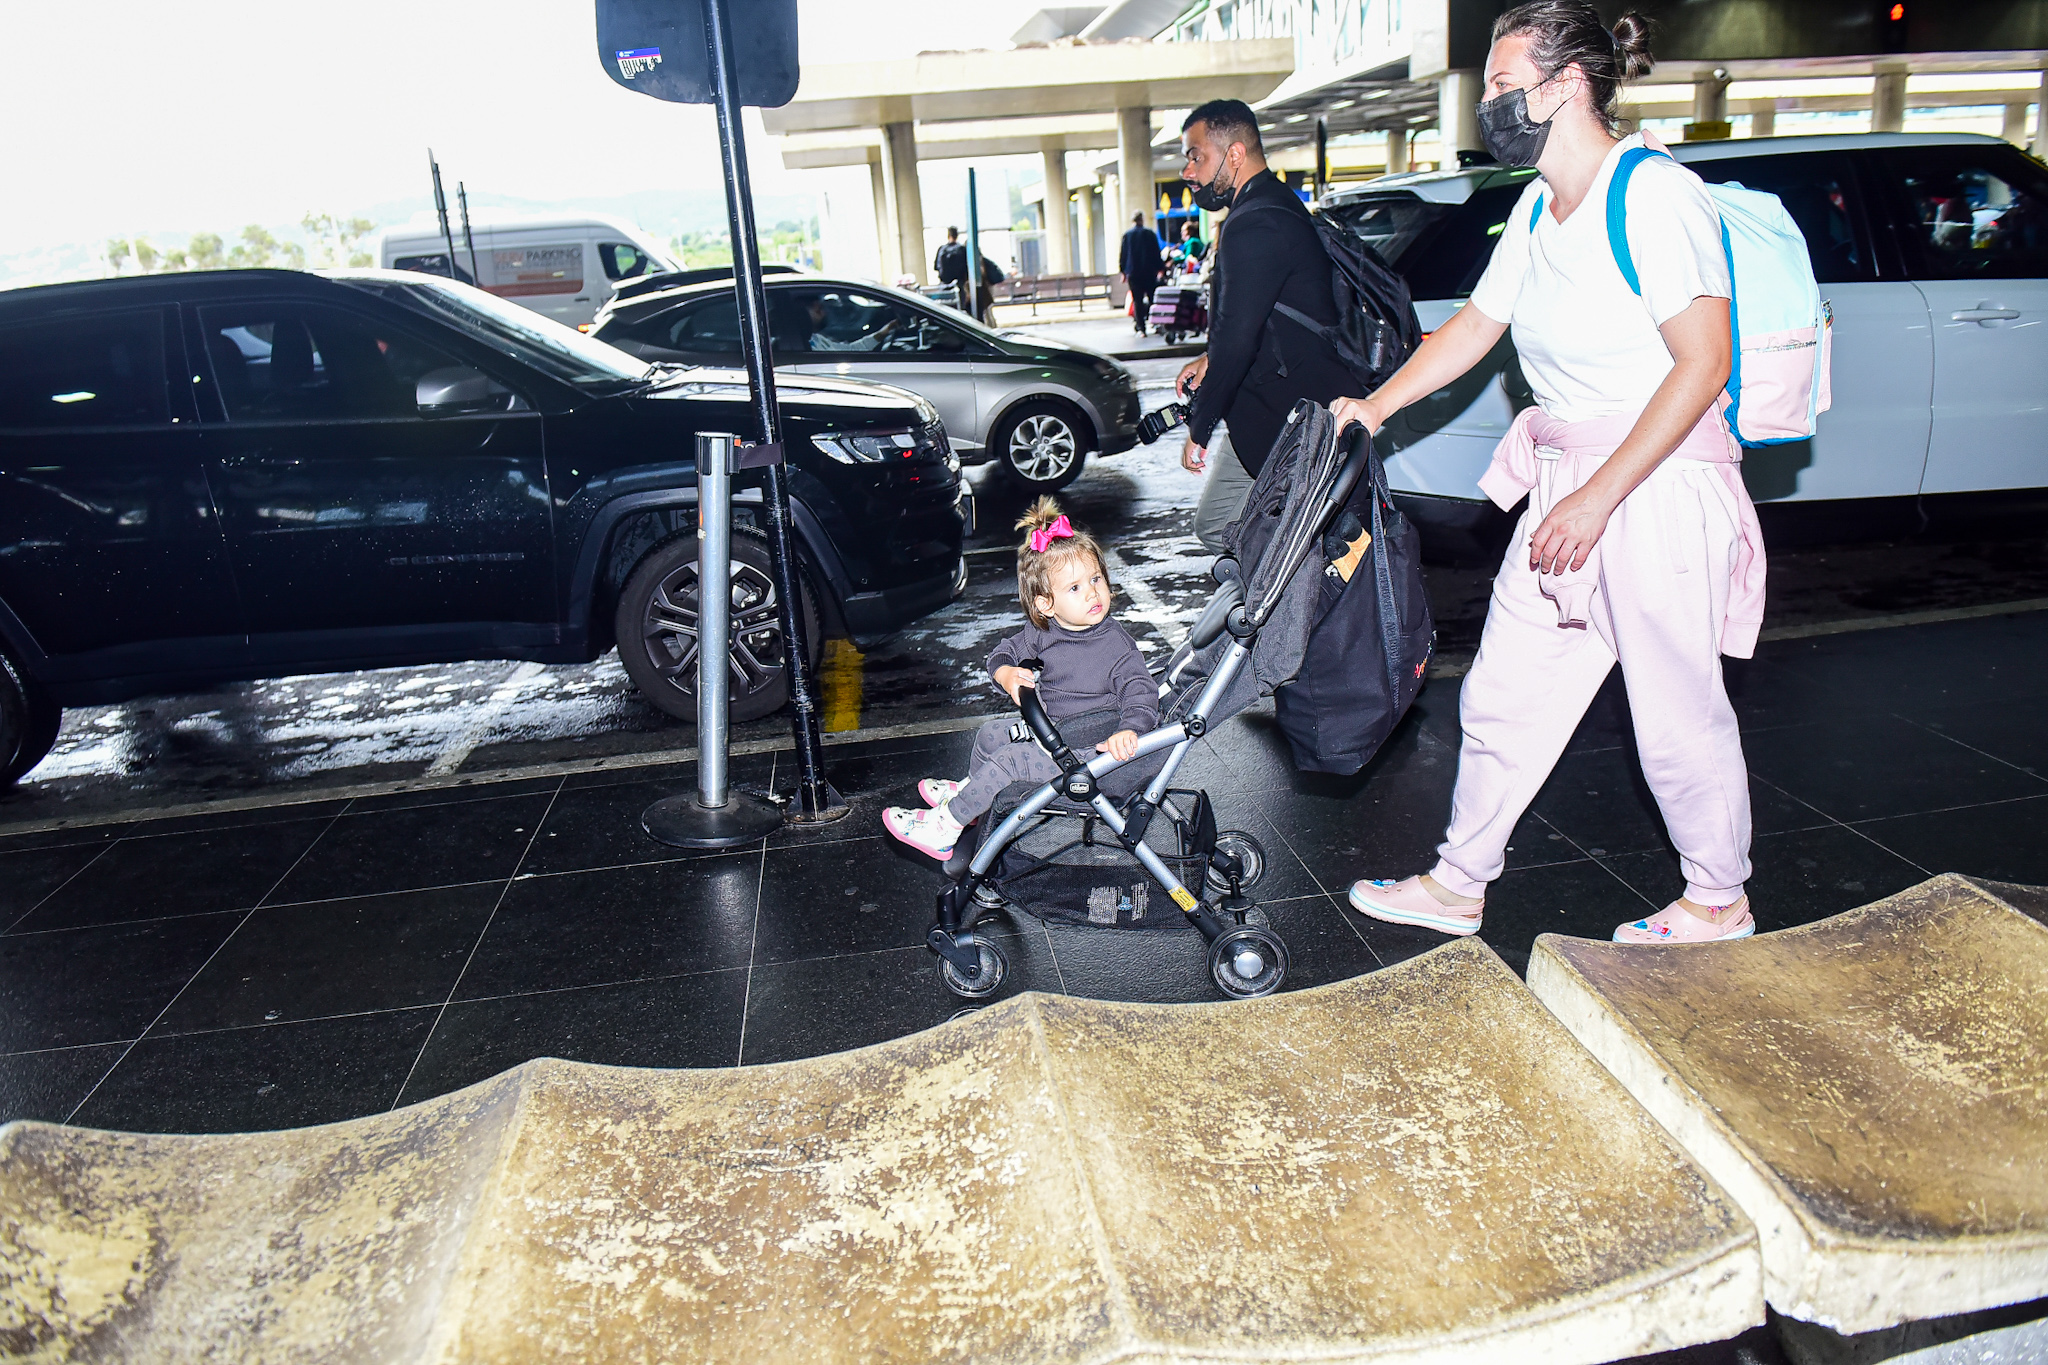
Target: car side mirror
{"points": [[456, 389]]}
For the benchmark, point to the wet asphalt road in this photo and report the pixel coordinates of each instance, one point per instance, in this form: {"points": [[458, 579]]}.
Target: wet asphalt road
{"points": [[298, 738]]}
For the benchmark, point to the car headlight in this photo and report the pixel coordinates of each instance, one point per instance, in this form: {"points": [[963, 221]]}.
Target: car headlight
{"points": [[867, 447]]}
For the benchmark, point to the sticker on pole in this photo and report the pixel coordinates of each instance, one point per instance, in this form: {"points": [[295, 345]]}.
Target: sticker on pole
{"points": [[635, 60], [1184, 898]]}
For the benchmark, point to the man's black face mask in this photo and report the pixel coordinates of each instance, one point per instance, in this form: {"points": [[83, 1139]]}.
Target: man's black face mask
{"points": [[1216, 195], [1510, 135]]}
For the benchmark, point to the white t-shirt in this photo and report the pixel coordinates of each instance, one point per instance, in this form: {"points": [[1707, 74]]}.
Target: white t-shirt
{"points": [[1589, 346]]}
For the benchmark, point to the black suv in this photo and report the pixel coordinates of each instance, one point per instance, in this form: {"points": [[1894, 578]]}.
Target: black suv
{"points": [[242, 474]]}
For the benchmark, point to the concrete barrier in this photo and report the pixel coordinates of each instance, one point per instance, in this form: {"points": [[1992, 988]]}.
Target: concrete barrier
{"points": [[1872, 1089], [1415, 1166]]}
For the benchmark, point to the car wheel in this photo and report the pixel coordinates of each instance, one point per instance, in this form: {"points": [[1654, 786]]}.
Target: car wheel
{"points": [[28, 722], [656, 626], [1040, 445]]}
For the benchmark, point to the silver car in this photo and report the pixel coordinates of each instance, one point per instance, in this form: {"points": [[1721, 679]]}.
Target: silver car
{"points": [[1039, 407]]}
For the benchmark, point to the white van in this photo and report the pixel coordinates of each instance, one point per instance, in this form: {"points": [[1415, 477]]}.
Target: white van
{"points": [[562, 268]]}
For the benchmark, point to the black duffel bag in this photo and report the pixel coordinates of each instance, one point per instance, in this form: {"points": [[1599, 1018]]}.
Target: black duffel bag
{"points": [[1369, 646]]}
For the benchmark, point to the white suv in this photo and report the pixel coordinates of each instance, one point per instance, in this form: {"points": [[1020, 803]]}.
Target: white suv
{"points": [[1933, 251]]}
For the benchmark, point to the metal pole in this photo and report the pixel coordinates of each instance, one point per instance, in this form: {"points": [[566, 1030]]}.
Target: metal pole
{"points": [[462, 198], [441, 207], [971, 305], [1322, 156], [716, 817], [816, 801], [714, 612]]}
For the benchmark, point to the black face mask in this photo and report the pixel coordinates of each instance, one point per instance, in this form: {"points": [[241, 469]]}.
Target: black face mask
{"points": [[1215, 196], [1510, 135]]}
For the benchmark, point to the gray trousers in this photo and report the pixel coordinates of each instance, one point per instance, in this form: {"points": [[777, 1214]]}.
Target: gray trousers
{"points": [[1224, 489], [998, 761]]}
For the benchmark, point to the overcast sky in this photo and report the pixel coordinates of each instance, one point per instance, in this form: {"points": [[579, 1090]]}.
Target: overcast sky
{"points": [[137, 115]]}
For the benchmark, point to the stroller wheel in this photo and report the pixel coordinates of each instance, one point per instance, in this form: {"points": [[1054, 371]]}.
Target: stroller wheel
{"points": [[1235, 843], [991, 966], [1248, 962]]}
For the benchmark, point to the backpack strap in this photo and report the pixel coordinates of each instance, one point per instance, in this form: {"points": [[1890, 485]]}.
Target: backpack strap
{"points": [[1617, 212]]}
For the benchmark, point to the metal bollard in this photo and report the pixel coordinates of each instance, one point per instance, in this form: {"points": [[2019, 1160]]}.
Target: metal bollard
{"points": [[716, 817]]}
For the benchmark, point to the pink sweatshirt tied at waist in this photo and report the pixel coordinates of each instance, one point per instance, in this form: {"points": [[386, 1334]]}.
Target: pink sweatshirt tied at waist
{"points": [[1582, 446]]}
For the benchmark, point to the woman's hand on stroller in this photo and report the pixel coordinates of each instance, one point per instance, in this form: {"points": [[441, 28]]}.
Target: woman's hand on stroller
{"points": [[1359, 410], [1120, 746], [1009, 677]]}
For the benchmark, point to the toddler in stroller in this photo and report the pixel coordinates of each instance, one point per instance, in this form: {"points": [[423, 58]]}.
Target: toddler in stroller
{"points": [[1073, 656], [1249, 640]]}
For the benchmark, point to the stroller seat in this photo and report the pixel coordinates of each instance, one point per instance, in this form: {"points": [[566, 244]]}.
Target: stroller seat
{"points": [[1248, 642]]}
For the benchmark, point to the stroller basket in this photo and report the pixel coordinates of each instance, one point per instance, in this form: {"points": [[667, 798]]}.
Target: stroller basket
{"points": [[1233, 655]]}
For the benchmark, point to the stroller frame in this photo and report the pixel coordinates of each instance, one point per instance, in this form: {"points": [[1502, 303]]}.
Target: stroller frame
{"points": [[1246, 960]]}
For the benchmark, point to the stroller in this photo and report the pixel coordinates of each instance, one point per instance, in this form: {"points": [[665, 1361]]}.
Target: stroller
{"points": [[1249, 640], [1177, 312]]}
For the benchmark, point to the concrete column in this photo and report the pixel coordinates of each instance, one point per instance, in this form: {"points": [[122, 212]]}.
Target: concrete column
{"points": [[1091, 261], [906, 204], [1710, 100], [1457, 114], [1133, 163], [888, 255], [2015, 129], [1059, 247], [2041, 118], [1764, 122], [1397, 150], [1888, 103]]}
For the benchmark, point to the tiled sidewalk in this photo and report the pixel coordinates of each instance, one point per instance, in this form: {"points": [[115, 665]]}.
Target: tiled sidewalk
{"points": [[308, 963]]}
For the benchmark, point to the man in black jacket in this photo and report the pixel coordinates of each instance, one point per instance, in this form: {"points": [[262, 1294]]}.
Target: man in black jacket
{"points": [[1139, 263], [950, 265], [1259, 362]]}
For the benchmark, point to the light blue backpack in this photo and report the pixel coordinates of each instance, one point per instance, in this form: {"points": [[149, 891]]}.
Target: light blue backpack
{"points": [[1778, 384]]}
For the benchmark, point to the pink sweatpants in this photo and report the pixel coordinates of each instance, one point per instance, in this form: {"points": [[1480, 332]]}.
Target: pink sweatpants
{"points": [[1666, 567]]}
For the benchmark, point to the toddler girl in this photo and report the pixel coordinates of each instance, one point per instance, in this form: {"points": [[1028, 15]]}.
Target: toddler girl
{"points": [[1091, 664]]}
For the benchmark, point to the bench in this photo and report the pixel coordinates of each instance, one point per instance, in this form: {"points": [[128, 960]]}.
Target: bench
{"points": [[1079, 290]]}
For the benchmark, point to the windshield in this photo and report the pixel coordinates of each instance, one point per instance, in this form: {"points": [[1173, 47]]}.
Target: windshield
{"points": [[526, 336], [1392, 224]]}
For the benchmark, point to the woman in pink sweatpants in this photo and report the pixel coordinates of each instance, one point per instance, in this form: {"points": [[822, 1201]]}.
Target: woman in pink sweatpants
{"points": [[1639, 545]]}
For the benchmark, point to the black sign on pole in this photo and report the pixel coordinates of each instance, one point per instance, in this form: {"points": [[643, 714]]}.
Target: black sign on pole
{"points": [[689, 52]]}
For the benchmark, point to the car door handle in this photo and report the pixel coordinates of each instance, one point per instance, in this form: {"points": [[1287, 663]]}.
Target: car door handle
{"points": [[1984, 315]]}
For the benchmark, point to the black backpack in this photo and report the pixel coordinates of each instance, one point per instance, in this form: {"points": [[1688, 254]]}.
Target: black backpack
{"points": [[1376, 328]]}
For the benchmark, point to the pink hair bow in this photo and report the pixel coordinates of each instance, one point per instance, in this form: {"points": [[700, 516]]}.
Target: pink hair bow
{"points": [[1046, 535]]}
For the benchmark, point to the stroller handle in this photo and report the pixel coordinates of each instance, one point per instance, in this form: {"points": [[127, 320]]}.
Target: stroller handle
{"points": [[1047, 733], [1357, 454]]}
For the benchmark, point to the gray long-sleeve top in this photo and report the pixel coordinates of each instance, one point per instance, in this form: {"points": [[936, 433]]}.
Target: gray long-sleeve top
{"points": [[1097, 669]]}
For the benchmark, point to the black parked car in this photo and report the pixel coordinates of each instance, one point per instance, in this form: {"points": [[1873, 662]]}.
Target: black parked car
{"points": [[243, 474]]}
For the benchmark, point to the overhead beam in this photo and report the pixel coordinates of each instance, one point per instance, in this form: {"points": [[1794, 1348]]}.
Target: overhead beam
{"points": [[939, 87], [953, 141]]}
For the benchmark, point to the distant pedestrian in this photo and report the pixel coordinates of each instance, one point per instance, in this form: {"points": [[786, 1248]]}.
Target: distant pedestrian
{"points": [[1139, 263], [1090, 663], [985, 297], [1639, 544], [950, 265], [1259, 364], [1188, 255]]}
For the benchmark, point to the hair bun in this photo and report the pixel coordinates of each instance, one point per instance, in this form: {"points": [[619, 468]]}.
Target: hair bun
{"points": [[1632, 59], [1039, 515]]}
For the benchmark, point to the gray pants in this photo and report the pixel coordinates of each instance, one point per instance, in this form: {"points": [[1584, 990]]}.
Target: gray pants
{"points": [[998, 761], [1224, 489]]}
